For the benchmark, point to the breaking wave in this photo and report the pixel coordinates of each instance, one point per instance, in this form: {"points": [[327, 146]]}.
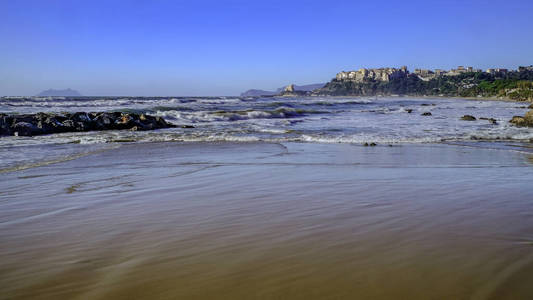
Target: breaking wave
{"points": [[314, 120]]}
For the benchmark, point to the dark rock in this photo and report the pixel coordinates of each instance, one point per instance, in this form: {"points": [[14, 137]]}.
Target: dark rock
{"points": [[491, 120], [529, 118], [5, 124], [427, 113], [518, 121], [373, 144], [46, 123], [23, 118], [409, 110], [526, 120], [26, 129], [161, 122], [69, 125], [149, 122], [125, 121], [83, 126], [468, 118], [81, 117], [529, 115], [104, 120], [187, 126], [51, 124]]}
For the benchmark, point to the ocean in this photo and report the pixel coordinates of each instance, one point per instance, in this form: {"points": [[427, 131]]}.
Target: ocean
{"points": [[272, 119]]}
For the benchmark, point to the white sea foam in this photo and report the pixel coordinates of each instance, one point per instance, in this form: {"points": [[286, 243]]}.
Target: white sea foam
{"points": [[316, 119]]}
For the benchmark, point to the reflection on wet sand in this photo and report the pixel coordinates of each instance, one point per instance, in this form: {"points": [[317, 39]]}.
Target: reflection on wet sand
{"points": [[293, 221]]}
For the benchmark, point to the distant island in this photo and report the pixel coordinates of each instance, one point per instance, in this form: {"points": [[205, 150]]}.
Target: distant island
{"points": [[460, 82], [258, 93], [60, 93]]}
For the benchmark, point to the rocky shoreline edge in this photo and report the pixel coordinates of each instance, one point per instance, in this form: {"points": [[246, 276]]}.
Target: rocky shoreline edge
{"points": [[525, 121], [48, 123]]}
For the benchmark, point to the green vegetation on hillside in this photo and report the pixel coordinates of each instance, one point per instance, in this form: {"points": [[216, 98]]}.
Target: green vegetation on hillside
{"points": [[516, 85]]}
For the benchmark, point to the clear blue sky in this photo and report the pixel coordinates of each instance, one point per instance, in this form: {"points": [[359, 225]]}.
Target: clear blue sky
{"points": [[225, 47]]}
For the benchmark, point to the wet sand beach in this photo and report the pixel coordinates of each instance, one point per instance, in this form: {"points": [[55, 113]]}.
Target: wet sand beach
{"points": [[271, 221]]}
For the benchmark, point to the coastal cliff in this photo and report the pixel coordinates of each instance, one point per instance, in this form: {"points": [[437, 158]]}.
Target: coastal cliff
{"points": [[460, 82]]}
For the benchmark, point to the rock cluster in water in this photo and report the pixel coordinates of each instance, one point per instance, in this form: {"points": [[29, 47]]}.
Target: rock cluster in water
{"points": [[291, 91], [46, 123], [525, 121]]}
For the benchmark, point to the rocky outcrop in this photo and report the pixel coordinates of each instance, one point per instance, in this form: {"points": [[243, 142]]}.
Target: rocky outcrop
{"points": [[518, 121], [491, 120], [47, 123], [468, 118], [291, 91], [289, 88], [462, 82], [525, 121]]}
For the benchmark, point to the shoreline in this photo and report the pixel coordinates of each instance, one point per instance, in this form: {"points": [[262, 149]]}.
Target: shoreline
{"points": [[479, 99], [235, 220], [396, 120], [411, 96], [523, 147]]}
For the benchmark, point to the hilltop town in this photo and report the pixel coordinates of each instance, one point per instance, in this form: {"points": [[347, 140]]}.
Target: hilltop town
{"points": [[462, 81], [381, 74], [387, 74]]}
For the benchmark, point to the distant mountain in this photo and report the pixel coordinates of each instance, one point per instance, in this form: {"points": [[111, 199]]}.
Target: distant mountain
{"points": [[257, 93], [306, 88], [62, 93]]}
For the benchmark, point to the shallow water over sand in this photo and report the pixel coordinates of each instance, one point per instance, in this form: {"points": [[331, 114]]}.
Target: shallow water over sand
{"points": [[289, 221]]}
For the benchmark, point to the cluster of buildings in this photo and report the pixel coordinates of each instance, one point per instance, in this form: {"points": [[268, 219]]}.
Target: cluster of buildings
{"points": [[381, 74], [497, 71], [386, 74], [429, 74]]}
